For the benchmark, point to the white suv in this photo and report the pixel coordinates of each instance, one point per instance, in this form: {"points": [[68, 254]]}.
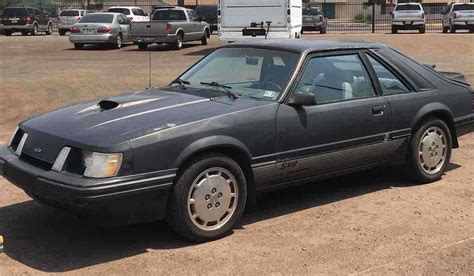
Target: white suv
{"points": [[69, 17], [135, 14], [408, 16]]}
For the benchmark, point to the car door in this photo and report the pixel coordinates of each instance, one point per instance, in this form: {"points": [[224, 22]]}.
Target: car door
{"points": [[124, 23], [346, 128], [445, 16]]}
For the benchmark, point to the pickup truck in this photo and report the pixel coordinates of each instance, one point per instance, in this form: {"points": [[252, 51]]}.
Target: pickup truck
{"points": [[408, 16], [458, 16], [174, 26]]}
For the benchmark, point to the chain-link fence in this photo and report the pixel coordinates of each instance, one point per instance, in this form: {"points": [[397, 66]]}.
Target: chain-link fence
{"points": [[342, 15]]}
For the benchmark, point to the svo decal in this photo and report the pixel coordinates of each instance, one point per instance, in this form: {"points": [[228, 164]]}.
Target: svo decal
{"points": [[288, 165]]}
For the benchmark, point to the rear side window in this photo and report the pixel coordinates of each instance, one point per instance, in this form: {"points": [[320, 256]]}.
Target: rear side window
{"points": [[97, 18], [120, 10], [408, 8], [390, 83], [138, 12], [15, 12], [69, 13], [169, 15]]}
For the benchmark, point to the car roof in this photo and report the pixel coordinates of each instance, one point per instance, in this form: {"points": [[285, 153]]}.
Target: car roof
{"points": [[410, 3], [103, 13], [458, 3], [124, 7], [302, 45]]}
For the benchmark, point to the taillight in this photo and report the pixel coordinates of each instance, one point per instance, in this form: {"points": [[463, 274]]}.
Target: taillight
{"points": [[104, 30], [455, 15], [168, 28], [74, 30], [28, 20], [422, 15]]}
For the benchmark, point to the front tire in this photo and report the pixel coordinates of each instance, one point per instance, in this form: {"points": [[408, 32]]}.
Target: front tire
{"points": [[322, 31], [49, 31], [205, 38], [430, 151], [452, 29], [62, 32], [34, 31], [118, 43], [445, 30], [394, 30], [178, 45], [422, 30], [7, 32], [208, 198]]}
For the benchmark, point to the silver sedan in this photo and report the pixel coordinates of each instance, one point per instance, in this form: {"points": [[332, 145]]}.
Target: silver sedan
{"points": [[101, 28]]}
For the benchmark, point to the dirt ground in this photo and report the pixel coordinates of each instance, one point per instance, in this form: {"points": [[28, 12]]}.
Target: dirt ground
{"points": [[373, 222]]}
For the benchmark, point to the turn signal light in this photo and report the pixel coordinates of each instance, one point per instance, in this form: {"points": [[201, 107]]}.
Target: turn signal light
{"points": [[104, 30], [168, 28], [422, 15]]}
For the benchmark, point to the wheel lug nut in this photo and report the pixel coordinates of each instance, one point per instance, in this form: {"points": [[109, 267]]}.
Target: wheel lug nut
{"points": [[209, 206], [214, 190], [207, 197], [217, 204], [219, 195]]}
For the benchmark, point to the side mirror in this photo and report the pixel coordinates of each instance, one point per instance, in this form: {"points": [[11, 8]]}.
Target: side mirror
{"points": [[302, 99]]}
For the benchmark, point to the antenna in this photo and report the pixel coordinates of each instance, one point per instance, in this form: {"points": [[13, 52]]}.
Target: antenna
{"points": [[149, 54]]}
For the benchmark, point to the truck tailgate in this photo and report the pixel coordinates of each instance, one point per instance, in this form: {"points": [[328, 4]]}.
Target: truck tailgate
{"points": [[144, 29], [240, 13]]}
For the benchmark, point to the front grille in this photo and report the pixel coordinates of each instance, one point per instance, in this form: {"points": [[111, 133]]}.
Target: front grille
{"points": [[36, 162]]}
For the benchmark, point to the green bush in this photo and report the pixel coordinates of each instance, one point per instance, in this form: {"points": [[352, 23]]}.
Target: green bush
{"points": [[359, 17]]}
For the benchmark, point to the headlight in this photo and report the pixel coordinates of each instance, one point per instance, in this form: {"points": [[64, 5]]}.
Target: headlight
{"points": [[101, 165]]}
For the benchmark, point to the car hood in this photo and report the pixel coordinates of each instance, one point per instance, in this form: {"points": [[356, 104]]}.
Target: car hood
{"points": [[115, 120]]}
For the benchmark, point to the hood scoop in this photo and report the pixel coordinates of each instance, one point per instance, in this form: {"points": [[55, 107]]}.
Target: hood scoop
{"points": [[107, 105]]}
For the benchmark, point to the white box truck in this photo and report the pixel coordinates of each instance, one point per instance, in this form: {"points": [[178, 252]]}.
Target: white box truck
{"points": [[250, 19]]}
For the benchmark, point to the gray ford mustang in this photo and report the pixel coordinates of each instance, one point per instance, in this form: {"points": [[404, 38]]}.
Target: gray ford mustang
{"points": [[244, 119]]}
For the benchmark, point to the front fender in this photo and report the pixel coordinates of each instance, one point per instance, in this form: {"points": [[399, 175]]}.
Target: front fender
{"points": [[208, 143]]}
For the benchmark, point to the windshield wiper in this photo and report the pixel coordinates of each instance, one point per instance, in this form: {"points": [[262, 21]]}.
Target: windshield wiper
{"points": [[225, 88], [182, 83]]}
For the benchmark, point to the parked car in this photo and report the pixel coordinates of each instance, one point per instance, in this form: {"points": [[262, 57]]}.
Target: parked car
{"points": [[457, 16], [26, 20], [101, 28], [408, 16], [67, 18], [314, 20], [208, 13], [245, 119], [249, 19], [173, 26], [135, 14]]}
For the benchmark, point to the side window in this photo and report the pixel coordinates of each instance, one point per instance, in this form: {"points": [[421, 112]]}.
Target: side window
{"points": [[388, 81], [336, 78], [120, 19]]}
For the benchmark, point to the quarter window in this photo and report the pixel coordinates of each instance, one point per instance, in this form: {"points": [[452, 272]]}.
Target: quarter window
{"points": [[336, 78], [388, 81]]}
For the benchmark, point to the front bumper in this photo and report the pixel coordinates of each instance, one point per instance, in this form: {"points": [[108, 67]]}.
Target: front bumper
{"points": [[111, 201], [92, 39], [464, 24]]}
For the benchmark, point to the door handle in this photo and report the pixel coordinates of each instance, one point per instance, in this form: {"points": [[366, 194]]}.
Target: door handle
{"points": [[378, 110]]}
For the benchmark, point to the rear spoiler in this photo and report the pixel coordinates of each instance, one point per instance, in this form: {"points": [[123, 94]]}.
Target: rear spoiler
{"points": [[458, 77]]}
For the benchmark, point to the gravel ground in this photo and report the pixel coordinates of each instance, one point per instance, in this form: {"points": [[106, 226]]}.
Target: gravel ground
{"points": [[373, 222]]}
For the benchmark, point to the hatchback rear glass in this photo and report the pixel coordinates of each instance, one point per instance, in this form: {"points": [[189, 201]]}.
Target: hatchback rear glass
{"points": [[69, 13], [138, 12], [120, 10], [408, 8], [464, 7], [15, 12], [97, 18]]}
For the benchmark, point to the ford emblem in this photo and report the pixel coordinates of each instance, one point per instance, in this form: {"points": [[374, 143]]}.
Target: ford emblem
{"points": [[38, 150]]}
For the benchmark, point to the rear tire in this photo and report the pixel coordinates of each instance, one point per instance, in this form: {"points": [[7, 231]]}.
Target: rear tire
{"points": [[422, 30], [178, 45], [445, 30], [24, 33], [142, 46], [34, 31], [430, 151], [205, 38], [62, 32], [78, 46], [49, 31], [118, 43], [322, 31], [471, 31], [452, 29], [7, 32], [200, 209], [394, 30]]}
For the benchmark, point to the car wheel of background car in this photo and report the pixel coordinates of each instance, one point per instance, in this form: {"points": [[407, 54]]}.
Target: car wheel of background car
{"points": [[445, 29], [178, 45], [208, 198], [322, 31], [204, 38], [302, 32], [7, 32], [118, 44], [62, 32], [471, 30], [24, 33], [394, 30], [430, 151], [142, 46], [422, 30], [78, 46], [452, 29], [35, 30], [49, 31]]}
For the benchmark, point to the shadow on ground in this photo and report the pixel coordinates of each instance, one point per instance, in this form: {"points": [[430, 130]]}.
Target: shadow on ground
{"points": [[50, 241]]}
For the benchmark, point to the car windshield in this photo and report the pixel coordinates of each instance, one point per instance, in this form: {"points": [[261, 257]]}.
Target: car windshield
{"points": [[408, 8], [311, 12], [463, 7], [169, 15], [248, 72], [69, 13], [120, 10], [15, 12], [97, 18]]}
